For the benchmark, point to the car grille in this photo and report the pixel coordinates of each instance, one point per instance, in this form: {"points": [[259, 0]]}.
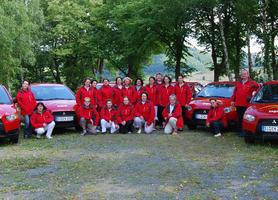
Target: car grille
{"points": [[64, 114], [267, 122], [198, 116]]}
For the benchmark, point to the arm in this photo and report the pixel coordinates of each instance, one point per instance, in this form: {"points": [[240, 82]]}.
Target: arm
{"points": [[49, 117], [34, 122], [96, 117], [152, 115], [177, 113]]}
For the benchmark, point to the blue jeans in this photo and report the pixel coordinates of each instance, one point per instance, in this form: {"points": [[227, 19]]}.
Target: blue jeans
{"points": [[28, 126], [216, 127]]}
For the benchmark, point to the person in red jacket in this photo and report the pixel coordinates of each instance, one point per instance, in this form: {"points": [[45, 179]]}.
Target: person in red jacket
{"points": [[216, 119], [129, 91], [242, 94], [86, 91], [27, 103], [159, 84], [108, 118], [184, 95], [118, 98], [144, 114], [42, 121], [151, 90], [172, 114], [139, 88], [89, 117], [125, 115], [105, 92]]}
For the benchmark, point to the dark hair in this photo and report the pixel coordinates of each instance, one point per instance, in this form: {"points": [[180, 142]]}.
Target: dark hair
{"points": [[152, 77], [42, 104], [159, 74], [142, 82], [94, 80], [166, 76], [145, 94], [87, 78], [25, 80], [181, 76], [107, 100], [117, 79], [105, 79]]}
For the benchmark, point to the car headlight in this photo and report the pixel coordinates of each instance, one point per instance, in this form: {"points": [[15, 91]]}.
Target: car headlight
{"points": [[189, 108], [10, 117], [249, 117], [227, 109]]}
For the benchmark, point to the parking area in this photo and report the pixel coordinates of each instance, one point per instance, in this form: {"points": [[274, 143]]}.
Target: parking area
{"points": [[192, 165]]}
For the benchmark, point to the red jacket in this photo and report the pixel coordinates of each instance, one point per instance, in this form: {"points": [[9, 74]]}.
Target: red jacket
{"points": [[130, 93], [176, 113], [117, 97], [88, 113], [108, 115], [125, 113], [152, 93], [37, 119], [216, 114], [139, 92], [183, 94], [146, 110], [165, 94], [243, 92], [104, 93], [158, 93], [82, 93], [26, 101]]}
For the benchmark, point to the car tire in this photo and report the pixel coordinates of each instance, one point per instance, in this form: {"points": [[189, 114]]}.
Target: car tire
{"points": [[249, 140], [191, 126], [78, 128], [14, 139]]}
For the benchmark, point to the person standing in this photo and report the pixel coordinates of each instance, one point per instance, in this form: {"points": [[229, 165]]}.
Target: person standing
{"points": [[172, 116], [243, 92], [117, 95], [129, 91], [159, 85], [108, 118], [151, 90], [27, 103], [184, 95], [105, 92], [125, 115], [42, 121], [139, 88], [216, 118], [144, 114], [86, 91]]}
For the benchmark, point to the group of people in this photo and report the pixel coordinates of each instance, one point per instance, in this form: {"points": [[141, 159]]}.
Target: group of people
{"points": [[127, 107]]}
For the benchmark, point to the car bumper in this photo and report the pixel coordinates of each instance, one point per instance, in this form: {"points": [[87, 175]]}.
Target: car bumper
{"points": [[9, 134]]}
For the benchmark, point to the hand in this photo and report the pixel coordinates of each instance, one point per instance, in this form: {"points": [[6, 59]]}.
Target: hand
{"points": [[117, 126], [207, 124], [44, 124], [170, 115], [233, 104], [123, 123], [165, 118], [142, 117]]}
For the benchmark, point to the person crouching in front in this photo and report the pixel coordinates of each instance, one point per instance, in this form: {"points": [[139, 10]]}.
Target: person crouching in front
{"points": [[172, 114], [42, 121], [125, 115], [216, 118], [108, 118], [89, 117], [144, 114]]}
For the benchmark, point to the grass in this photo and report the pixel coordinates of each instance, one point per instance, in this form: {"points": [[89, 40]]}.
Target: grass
{"points": [[193, 165]]}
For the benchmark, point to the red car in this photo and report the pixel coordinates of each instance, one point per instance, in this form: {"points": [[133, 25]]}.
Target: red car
{"points": [[60, 100], [9, 118], [261, 118], [197, 111]]}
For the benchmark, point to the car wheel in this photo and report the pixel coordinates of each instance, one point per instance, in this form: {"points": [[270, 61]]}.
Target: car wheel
{"points": [[249, 140], [14, 139], [191, 126], [78, 128]]}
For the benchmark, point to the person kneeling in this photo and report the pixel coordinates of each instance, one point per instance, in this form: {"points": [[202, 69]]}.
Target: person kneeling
{"points": [[144, 114], [216, 119], [108, 118], [89, 117], [172, 114], [43, 121], [125, 116]]}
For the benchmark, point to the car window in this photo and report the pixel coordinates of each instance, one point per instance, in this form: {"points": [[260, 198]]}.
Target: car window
{"points": [[267, 94], [217, 90], [4, 98], [44, 93]]}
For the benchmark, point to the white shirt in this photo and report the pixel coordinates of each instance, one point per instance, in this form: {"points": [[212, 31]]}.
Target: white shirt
{"points": [[171, 108]]}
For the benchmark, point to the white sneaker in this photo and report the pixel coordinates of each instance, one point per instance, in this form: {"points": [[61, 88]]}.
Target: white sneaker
{"points": [[83, 132], [49, 137], [139, 131], [217, 135], [38, 136]]}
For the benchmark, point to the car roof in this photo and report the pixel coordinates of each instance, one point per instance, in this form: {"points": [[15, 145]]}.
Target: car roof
{"points": [[223, 82], [274, 82]]}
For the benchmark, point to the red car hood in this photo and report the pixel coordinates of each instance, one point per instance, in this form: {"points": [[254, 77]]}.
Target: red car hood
{"points": [[60, 105], [7, 109], [204, 103], [263, 110]]}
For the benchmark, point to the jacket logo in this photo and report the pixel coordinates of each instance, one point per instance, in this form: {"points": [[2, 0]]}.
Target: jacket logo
{"points": [[274, 121]]}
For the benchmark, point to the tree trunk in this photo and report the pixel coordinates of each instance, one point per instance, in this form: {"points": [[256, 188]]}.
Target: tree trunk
{"points": [[272, 49], [238, 51], [250, 62], [129, 70], [226, 55], [100, 68], [179, 52]]}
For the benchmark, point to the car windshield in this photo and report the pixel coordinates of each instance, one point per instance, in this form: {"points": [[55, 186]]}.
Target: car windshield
{"points": [[46, 93], [217, 90], [267, 94], [4, 98]]}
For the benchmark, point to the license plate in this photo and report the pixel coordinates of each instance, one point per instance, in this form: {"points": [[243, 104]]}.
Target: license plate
{"points": [[200, 116], [273, 129], [64, 119]]}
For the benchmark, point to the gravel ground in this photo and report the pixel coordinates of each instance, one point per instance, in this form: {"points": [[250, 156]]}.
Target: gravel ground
{"points": [[193, 165]]}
